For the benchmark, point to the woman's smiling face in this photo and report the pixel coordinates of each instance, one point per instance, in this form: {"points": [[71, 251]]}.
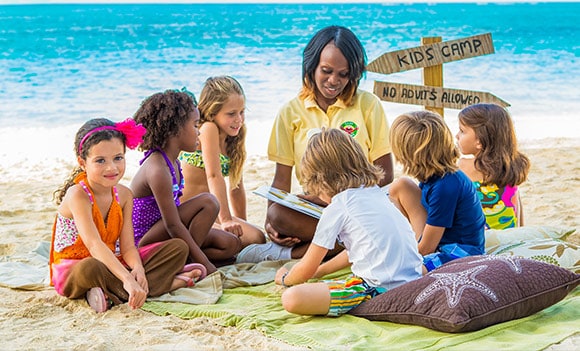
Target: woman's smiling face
{"points": [[331, 75]]}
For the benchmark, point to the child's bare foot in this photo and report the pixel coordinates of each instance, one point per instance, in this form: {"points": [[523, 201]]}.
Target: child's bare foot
{"points": [[190, 274], [186, 279]]}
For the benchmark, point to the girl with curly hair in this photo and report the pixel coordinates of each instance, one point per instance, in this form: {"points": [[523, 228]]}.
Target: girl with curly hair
{"points": [[172, 121]]}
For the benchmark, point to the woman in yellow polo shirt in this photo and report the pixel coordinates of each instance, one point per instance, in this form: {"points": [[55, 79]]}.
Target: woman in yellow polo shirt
{"points": [[333, 63]]}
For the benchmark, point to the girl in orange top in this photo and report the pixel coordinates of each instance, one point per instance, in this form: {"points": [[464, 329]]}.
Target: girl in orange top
{"points": [[90, 225]]}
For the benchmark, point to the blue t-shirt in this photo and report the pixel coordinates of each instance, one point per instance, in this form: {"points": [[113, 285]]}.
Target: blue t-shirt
{"points": [[451, 202]]}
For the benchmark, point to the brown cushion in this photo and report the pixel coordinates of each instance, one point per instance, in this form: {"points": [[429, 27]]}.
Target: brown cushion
{"points": [[472, 293]]}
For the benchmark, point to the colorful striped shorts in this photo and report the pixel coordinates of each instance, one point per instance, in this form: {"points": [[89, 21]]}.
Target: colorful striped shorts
{"points": [[347, 294]]}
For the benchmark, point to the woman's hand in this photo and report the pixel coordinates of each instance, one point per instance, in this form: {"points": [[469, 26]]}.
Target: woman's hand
{"points": [[281, 240]]}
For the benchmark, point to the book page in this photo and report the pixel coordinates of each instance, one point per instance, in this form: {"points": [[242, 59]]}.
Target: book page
{"points": [[290, 200]]}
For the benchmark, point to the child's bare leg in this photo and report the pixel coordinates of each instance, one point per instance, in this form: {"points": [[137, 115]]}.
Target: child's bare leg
{"points": [[252, 234], [307, 299], [406, 196], [220, 245], [155, 234], [199, 214], [292, 223]]}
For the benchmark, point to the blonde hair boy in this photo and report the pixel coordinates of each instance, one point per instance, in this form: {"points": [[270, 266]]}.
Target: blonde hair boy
{"points": [[378, 241], [334, 162], [424, 145]]}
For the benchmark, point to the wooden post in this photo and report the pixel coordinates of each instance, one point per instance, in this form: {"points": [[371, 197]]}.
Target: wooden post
{"points": [[433, 75]]}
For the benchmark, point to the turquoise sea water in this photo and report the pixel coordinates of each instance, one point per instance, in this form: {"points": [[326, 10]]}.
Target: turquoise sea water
{"points": [[63, 64]]}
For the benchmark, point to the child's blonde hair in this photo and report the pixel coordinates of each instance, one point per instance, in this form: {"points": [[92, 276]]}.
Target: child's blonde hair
{"points": [[424, 145], [215, 93], [333, 162], [499, 160]]}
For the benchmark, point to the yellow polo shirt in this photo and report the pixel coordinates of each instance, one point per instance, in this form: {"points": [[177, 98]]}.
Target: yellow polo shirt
{"points": [[365, 121]]}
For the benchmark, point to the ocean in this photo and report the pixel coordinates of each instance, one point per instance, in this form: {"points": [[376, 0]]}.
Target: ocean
{"points": [[63, 64]]}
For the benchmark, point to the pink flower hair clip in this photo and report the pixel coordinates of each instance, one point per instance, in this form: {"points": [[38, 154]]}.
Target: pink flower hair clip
{"points": [[132, 131]]}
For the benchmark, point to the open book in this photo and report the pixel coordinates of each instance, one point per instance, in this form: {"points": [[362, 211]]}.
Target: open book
{"points": [[290, 200]]}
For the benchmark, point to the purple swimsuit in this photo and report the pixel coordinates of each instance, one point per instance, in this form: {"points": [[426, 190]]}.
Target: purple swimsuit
{"points": [[145, 209]]}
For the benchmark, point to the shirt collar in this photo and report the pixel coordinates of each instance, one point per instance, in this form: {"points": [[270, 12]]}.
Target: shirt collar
{"points": [[309, 102]]}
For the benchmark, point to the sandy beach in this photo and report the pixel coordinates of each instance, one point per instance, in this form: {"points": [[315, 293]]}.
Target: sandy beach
{"points": [[42, 319], [65, 61]]}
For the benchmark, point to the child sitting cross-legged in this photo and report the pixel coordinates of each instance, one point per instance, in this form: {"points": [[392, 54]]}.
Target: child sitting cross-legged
{"points": [[443, 208], [379, 243], [94, 215]]}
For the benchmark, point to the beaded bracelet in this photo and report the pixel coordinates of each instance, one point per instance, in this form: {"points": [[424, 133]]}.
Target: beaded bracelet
{"points": [[284, 276]]}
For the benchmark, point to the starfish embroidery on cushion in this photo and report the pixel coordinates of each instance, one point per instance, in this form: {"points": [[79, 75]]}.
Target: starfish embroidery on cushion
{"points": [[512, 261], [453, 284]]}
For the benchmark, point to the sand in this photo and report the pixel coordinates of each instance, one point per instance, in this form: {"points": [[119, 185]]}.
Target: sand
{"points": [[43, 319]]}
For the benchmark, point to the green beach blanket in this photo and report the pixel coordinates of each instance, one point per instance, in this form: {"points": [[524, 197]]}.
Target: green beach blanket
{"points": [[244, 296], [259, 307]]}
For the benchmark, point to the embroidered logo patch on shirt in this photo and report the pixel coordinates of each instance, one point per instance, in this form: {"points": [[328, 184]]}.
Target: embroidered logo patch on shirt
{"points": [[350, 127]]}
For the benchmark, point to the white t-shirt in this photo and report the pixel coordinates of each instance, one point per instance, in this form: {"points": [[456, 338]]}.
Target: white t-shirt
{"points": [[378, 239]]}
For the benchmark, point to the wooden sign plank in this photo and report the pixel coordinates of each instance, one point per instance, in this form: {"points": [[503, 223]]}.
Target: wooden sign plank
{"points": [[433, 54], [429, 96]]}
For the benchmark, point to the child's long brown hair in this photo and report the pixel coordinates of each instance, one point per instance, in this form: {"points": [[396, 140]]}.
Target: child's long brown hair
{"points": [[499, 160]]}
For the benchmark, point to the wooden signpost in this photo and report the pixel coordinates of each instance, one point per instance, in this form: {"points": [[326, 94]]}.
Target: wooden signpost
{"points": [[432, 96], [430, 56]]}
